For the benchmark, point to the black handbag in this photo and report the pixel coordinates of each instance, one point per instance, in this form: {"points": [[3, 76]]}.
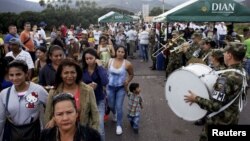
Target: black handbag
{"points": [[28, 132]]}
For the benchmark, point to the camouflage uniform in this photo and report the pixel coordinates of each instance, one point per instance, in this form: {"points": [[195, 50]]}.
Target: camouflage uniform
{"points": [[175, 59], [191, 50], [152, 46], [226, 88], [220, 67], [206, 54]]}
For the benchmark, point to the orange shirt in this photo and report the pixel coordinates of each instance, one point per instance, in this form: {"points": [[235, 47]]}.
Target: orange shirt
{"points": [[29, 45]]}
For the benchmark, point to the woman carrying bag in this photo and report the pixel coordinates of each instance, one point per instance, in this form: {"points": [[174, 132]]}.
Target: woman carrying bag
{"points": [[20, 105]]}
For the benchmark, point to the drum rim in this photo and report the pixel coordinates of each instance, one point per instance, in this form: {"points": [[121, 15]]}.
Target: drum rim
{"points": [[191, 72], [202, 74]]}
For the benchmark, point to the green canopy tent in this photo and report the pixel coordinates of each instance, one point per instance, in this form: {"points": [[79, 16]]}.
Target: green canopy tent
{"points": [[207, 11], [115, 17]]}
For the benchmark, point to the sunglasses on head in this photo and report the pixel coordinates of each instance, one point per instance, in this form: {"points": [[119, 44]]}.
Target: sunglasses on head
{"points": [[62, 96]]}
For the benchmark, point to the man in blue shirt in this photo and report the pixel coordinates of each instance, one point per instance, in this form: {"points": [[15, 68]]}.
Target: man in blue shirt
{"points": [[12, 33]]}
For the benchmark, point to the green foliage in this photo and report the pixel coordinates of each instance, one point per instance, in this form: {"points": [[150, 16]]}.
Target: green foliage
{"points": [[85, 12], [6, 20], [155, 11], [238, 27]]}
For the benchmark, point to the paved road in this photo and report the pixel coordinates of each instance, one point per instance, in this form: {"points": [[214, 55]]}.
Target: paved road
{"points": [[158, 122]]}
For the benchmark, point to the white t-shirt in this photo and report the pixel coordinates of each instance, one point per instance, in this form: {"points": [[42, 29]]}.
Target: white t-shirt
{"points": [[97, 35], [221, 29], [143, 37], [23, 55], [42, 33], [131, 35]]}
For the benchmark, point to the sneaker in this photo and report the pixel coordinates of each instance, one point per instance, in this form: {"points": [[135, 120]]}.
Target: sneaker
{"points": [[200, 122], [136, 130], [118, 130], [114, 117]]}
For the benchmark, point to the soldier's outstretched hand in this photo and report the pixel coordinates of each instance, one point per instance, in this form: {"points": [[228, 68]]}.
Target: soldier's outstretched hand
{"points": [[190, 98]]}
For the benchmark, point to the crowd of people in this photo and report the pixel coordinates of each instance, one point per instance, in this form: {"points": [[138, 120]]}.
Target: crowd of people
{"points": [[76, 77], [79, 74]]}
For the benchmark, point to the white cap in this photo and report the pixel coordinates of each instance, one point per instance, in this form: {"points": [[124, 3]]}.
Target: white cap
{"points": [[71, 37], [84, 32]]}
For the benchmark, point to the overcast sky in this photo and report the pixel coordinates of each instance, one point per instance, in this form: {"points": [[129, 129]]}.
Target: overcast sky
{"points": [[172, 2]]}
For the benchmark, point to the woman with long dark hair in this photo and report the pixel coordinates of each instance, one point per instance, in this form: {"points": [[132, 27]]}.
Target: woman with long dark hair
{"points": [[96, 77], [68, 80], [120, 73], [105, 50], [48, 72]]}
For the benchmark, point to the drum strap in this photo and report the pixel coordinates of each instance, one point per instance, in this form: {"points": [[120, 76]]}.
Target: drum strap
{"points": [[242, 99]]}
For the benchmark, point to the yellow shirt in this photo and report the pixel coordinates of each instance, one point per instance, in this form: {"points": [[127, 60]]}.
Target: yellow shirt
{"points": [[91, 40], [1, 41]]}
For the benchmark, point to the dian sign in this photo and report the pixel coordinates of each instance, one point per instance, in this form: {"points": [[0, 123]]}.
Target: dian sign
{"points": [[223, 7], [119, 17]]}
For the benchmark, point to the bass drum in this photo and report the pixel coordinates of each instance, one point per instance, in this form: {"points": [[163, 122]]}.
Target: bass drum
{"points": [[198, 78]]}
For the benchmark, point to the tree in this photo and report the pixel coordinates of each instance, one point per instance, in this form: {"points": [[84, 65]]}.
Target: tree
{"points": [[42, 3], [155, 11], [55, 14]]}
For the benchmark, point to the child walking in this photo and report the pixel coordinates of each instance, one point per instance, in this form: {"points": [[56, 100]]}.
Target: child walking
{"points": [[134, 106]]}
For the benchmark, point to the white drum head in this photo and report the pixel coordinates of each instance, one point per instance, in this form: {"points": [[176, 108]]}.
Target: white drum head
{"points": [[177, 85]]}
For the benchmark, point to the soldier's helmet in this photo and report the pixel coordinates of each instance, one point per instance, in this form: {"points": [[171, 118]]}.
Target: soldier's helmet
{"points": [[210, 41], [218, 55], [237, 49]]}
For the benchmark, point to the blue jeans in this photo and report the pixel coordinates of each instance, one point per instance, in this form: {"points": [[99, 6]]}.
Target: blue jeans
{"points": [[140, 51], [134, 121], [144, 49], [115, 99], [221, 40], [247, 66], [101, 109]]}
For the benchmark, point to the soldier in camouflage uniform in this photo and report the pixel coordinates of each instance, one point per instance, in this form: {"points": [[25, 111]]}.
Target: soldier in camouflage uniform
{"points": [[226, 88], [206, 50], [197, 38], [152, 47], [217, 60], [175, 58]]}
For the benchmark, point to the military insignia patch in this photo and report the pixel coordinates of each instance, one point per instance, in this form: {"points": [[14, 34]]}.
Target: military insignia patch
{"points": [[219, 89], [218, 96]]}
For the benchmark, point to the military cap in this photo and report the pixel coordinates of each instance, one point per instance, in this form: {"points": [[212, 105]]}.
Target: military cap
{"points": [[217, 53], [237, 49], [210, 41]]}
